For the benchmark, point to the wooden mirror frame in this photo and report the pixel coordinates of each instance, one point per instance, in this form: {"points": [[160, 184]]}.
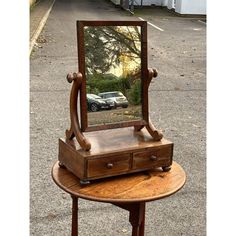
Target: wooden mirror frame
{"points": [[79, 86], [81, 56]]}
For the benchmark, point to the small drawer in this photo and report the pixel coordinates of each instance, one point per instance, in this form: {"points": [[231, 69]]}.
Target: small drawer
{"points": [[106, 166], [154, 158]]}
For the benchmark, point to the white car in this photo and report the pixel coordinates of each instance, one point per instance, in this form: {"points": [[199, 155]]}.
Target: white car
{"points": [[117, 97]]}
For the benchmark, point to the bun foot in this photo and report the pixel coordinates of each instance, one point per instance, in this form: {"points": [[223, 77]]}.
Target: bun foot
{"points": [[61, 165], [166, 168], [84, 182]]}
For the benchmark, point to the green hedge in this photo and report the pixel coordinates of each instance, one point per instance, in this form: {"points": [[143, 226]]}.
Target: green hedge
{"points": [[134, 94], [98, 84]]}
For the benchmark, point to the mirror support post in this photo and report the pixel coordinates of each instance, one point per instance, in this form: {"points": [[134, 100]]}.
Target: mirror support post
{"points": [[156, 134], [75, 130]]}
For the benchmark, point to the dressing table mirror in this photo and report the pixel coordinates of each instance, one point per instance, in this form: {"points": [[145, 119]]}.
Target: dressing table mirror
{"points": [[111, 133]]}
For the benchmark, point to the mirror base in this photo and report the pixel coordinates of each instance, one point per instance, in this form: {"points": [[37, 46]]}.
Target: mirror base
{"points": [[120, 151]]}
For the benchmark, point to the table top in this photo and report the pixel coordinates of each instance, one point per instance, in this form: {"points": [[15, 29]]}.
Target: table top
{"points": [[136, 187]]}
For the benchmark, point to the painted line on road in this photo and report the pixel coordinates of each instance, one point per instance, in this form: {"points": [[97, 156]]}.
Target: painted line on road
{"points": [[156, 27], [40, 27], [202, 22]]}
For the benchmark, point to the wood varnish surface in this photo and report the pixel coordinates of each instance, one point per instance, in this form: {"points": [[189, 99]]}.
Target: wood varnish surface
{"points": [[143, 186], [107, 141]]}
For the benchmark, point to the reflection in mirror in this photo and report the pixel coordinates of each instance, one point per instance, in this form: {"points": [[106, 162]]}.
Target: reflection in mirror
{"points": [[113, 74]]}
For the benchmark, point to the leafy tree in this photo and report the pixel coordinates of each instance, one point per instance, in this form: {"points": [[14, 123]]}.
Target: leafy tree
{"points": [[107, 46], [118, 48]]}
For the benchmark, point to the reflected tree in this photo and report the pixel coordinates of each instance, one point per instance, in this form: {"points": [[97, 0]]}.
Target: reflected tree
{"points": [[108, 47]]}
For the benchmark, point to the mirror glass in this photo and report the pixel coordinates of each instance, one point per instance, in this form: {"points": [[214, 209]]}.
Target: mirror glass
{"points": [[113, 74]]}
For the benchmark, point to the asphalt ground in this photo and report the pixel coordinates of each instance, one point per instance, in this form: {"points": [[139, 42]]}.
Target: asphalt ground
{"points": [[177, 106], [39, 13]]}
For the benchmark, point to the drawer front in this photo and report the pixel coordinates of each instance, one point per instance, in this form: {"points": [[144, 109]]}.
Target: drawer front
{"points": [[155, 158], [106, 166]]}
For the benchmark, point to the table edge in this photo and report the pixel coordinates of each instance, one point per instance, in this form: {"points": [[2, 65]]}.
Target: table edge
{"points": [[108, 200]]}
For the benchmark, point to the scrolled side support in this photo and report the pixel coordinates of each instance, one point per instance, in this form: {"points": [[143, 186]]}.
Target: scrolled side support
{"points": [[156, 134], [75, 130]]}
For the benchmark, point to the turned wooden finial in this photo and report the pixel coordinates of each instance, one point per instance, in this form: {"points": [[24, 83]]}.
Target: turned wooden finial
{"points": [[69, 77], [152, 73], [72, 77], [155, 72]]}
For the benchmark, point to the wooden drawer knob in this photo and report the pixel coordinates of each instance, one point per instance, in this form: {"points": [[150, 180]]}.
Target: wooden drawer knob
{"points": [[109, 165], [153, 158]]}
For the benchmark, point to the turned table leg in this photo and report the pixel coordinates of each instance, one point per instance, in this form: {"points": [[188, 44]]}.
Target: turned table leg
{"points": [[142, 224], [136, 216], [74, 229]]}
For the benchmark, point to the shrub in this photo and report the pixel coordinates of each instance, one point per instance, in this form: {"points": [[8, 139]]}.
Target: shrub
{"points": [[100, 84], [134, 95]]}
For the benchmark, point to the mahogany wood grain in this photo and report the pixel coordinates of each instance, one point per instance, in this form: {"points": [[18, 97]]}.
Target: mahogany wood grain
{"points": [[158, 157], [136, 216], [119, 141], [75, 130], [130, 192], [114, 152], [108, 165], [73, 163], [74, 226], [138, 187]]}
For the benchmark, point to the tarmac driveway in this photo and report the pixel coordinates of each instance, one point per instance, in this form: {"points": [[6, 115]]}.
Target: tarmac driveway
{"points": [[177, 106]]}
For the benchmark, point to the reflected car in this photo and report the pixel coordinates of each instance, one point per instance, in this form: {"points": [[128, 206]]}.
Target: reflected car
{"points": [[96, 103], [117, 97]]}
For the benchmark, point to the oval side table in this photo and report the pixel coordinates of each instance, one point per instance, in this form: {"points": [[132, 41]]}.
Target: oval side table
{"points": [[129, 192]]}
